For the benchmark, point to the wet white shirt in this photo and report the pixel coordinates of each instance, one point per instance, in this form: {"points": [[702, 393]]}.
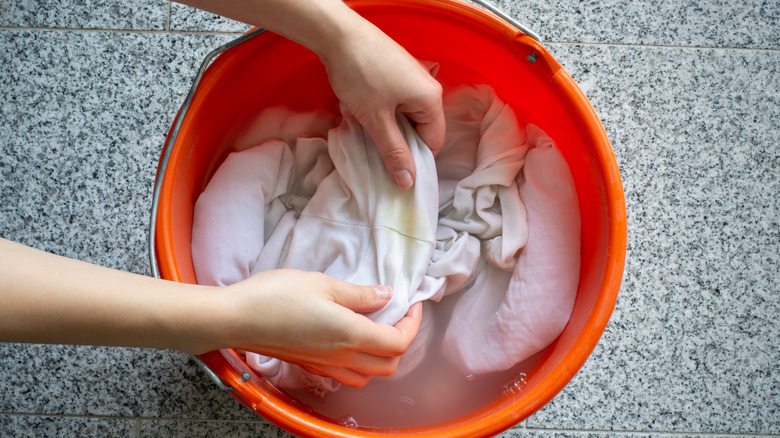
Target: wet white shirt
{"points": [[494, 219]]}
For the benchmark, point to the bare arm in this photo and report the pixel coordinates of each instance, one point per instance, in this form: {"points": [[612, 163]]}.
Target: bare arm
{"points": [[371, 74], [307, 318]]}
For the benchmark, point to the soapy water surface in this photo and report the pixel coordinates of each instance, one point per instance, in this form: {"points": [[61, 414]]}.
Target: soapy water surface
{"points": [[433, 393]]}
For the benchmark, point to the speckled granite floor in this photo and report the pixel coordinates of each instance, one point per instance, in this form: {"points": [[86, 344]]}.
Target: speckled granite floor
{"points": [[688, 91]]}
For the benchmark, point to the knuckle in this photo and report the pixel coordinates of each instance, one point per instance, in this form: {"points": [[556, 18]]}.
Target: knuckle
{"points": [[435, 90], [352, 340], [364, 299], [390, 367], [395, 154], [361, 381], [397, 349], [431, 93], [320, 278]]}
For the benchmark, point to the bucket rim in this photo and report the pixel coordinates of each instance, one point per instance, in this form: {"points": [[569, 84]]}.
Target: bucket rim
{"points": [[226, 365]]}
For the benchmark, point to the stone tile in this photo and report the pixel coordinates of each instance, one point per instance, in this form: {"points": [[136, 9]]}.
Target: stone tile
{"points": [[96, 14], [754, 23], [57, 379], [173, 429], [543, 433], [83, 117], [702, 23], [177, 428], [34, 426], [179, 389], [692, 343], [187, 18]]}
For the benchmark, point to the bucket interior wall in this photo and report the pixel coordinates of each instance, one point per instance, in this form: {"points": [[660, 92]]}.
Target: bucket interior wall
{"points": [[269, 71]]}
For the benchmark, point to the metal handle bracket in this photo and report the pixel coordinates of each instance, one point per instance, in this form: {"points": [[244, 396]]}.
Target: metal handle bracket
{"points": [[508, 18], [212, 375]]}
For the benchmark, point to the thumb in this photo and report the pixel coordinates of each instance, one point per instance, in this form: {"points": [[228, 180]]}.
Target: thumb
{"points": [[361, 298], [431, 127], [393, 148]]}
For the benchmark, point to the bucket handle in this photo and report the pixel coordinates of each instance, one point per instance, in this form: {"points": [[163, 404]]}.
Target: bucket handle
{"points": [[166, 154], [168, 147], [506, 17]]}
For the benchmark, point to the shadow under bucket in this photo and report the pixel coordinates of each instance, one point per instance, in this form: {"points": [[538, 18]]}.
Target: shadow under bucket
{"points": [[263, 70]]}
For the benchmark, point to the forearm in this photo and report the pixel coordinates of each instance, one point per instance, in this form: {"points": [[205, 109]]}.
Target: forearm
{"points": [[320, 25], [51, 299], [373, 77], [292, 315]]}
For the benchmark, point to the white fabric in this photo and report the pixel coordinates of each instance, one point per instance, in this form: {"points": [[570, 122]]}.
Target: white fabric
{"points": [[358, 226], [329, 205], [508, 316]]}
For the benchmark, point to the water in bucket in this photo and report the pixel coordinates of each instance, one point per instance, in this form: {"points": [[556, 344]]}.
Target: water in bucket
{"points": [[435, 392]]}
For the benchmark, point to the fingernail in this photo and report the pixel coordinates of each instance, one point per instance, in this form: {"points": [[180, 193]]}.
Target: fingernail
{"points": [[383, 292], [403, 178]]}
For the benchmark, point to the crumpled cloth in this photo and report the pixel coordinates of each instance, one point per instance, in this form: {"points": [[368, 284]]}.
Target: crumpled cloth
{"points": [[493, 221]]}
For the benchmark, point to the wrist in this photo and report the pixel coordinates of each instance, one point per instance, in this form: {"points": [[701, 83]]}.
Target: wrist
{"points": [[228, 317], [338, 29], [206, 322]]}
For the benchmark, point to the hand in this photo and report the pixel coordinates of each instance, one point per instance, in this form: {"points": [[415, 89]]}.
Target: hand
{"points": [[370, 73], [310, 319], [374, 78], [301, 317]]}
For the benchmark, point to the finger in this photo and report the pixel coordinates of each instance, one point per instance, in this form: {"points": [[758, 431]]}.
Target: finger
{"points": [[360, 298], [432, 132], [371, 364], [393, 148], [358, 361], [409, 325], [385, 340], [341, 374], [430, 123]]}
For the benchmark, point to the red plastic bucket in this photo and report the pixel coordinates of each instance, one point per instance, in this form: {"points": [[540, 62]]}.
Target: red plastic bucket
{"points": [[472, 46]]}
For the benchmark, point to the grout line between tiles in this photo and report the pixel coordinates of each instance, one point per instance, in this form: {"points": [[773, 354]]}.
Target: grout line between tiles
{"points": [[236, 34], [520, 427], [48, 414], [138, 31], [664, 46], [168, 24], [664, 433], [138, 420]]}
